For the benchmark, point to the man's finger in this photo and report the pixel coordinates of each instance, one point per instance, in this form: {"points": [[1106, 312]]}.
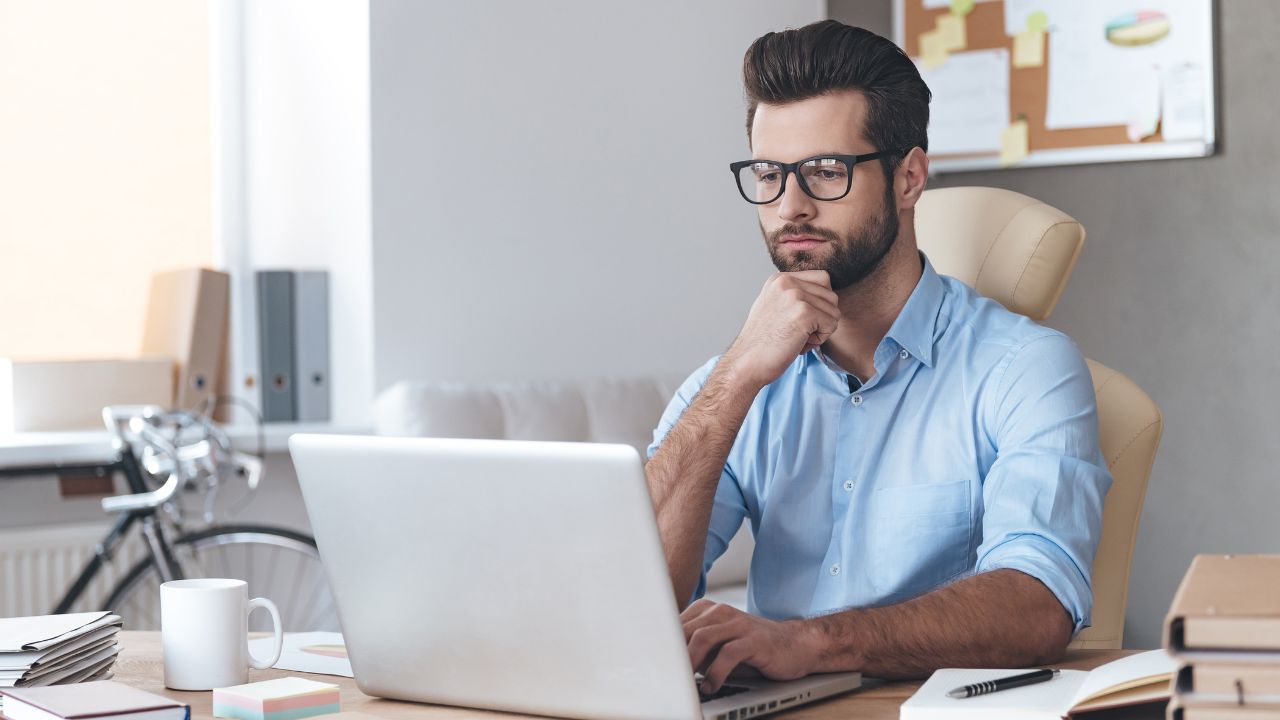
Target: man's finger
{"points": [[704, 642], [696, 608], [821, 289], [730, 656], [693, 621], [819, 277], [819, 302]]}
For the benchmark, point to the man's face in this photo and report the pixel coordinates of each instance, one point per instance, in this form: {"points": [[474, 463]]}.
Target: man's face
{"points": [[846, 237]]}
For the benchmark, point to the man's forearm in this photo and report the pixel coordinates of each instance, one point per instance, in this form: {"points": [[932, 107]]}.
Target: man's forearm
{"points": [[684, 472], [1002, 618]]}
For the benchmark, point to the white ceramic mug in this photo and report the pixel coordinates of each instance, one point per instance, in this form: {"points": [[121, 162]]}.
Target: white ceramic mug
{"points": [[204, 629]]}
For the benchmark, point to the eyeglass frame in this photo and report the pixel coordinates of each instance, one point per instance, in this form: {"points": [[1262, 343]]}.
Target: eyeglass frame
{"points": [[793, 169]]}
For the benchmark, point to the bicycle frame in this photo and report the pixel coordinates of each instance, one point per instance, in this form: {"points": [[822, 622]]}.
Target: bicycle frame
{"points": [[126, 463]]}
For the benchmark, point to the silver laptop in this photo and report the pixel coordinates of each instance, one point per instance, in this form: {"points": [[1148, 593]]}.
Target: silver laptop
{"points": [[517, 576]]}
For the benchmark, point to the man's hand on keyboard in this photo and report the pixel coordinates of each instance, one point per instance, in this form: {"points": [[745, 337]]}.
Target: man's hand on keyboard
{"points": [[722, 638]]}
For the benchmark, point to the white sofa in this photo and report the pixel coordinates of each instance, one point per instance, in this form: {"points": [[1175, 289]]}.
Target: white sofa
{"points": [[607, 410]]}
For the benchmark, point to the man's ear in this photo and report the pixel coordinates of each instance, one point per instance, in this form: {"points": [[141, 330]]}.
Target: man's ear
{"points": [[910, 179]]}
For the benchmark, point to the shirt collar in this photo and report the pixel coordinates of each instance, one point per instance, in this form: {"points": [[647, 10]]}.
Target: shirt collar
{"points": [[914, 327], [913, 330]]}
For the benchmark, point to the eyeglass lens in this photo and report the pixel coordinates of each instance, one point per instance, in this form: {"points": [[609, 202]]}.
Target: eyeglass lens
{"points": [[824, 179]]}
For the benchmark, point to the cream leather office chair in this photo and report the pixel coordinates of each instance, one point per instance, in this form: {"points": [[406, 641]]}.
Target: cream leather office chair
{"points": [[1020, 252]]}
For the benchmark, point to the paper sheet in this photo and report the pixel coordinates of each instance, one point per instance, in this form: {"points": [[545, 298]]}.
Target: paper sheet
{"points": [[970, 101], [24, 634], [1093, 82], [1050, 699], [311, 652], [1150, 664], [1182, 102]]}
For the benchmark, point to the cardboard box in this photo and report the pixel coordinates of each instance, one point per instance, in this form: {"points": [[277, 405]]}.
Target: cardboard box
{"points": [[39, 396]]}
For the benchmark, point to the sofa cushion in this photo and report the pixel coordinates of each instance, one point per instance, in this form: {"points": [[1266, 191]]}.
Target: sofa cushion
{"points": [[607, 410], [445, 410]]}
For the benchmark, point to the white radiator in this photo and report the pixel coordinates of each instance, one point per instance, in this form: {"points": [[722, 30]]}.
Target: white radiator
{"points": [[38, 565]]}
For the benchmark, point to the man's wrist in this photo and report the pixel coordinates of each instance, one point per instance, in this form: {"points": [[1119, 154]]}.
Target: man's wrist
{"points": [[814, 643], [736, 375], [832, 641]]}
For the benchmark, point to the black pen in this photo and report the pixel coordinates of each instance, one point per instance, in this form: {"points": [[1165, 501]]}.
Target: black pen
{"points": [[1005, 683]]}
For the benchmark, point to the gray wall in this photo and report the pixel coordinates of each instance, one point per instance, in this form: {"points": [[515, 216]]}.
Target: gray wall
{"points": [[1177, 289], [551, 196]]}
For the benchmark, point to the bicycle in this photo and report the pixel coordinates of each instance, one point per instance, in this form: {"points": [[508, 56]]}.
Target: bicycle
{"points": [[162, 455]]}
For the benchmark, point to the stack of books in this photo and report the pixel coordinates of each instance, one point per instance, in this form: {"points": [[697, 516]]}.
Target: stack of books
{"points": [[1224, 630], [57, 649]]}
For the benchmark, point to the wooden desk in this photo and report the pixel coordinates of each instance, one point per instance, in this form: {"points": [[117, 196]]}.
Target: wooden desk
{"points": [[141, 666]]}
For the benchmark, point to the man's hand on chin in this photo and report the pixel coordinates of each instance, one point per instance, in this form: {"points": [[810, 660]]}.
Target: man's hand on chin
{"points": [[722, 638]]}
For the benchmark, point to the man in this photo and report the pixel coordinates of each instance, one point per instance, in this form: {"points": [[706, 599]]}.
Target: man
{"points": [[919, 465]]}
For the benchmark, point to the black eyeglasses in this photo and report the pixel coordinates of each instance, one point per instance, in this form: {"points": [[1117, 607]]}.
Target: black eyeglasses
{"points": [[824, 177]]}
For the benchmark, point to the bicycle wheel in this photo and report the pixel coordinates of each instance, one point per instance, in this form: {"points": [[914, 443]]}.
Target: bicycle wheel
{"points": [[278, 564]]}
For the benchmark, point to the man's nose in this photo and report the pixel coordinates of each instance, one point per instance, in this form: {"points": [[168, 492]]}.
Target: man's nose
{"points": [[795, 205]]}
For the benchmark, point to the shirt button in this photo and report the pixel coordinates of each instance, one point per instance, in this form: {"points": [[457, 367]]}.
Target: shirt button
{"points": [[904, 354], [856, 400], [848, 485], [835, 569]]}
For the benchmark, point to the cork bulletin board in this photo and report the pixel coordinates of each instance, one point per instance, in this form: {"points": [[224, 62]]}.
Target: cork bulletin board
{"points": [[1058, 82]]}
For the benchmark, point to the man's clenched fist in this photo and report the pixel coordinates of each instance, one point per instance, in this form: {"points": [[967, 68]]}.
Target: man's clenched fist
{"points": [[794, 313]]}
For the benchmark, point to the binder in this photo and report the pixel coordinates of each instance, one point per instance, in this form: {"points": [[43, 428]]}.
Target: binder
{"points": [[1227, 608], [311, 328], [186, 316], [276, 345]]}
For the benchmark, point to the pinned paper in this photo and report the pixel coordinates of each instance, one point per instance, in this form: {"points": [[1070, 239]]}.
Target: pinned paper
{"points": [[1144, 112], [951, 30], [1013, 143], [933, 51], [1028, 49], [961, 8], [1182, 106]]}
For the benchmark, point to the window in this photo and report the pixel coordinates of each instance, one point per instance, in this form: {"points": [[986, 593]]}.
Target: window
{"points": [[105, 176]]}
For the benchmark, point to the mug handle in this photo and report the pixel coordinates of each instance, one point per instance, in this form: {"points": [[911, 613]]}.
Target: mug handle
{"points": [[279, 633]]}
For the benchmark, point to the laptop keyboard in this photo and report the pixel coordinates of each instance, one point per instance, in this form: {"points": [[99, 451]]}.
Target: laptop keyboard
{"points": [[724, 691]]}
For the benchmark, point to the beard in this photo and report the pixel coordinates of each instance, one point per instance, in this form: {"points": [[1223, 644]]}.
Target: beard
{"points": [[854, 255]]}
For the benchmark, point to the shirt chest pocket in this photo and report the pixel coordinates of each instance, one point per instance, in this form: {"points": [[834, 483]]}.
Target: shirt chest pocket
{"points": [[919, 537]]}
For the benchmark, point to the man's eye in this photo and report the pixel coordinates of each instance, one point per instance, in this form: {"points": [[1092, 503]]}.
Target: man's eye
{"points": [[830, 174], [767, 177]]}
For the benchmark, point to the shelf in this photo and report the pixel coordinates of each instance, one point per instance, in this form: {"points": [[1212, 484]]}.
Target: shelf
{"points": [[94, 446]]}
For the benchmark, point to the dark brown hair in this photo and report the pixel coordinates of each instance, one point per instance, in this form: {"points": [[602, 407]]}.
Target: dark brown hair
{"points": [[794, 65]]}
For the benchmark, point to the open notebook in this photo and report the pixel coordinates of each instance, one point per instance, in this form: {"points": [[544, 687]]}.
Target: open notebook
{"points": [[1133, 680]]}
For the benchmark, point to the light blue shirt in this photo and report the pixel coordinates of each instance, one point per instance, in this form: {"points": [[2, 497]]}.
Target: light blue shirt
{"points": [[973, 447]]}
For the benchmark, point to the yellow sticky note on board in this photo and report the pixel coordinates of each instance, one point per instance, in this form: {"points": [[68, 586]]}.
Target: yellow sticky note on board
{"points": [[1013, 143], [951, 31], [1028, 49], [933, 51]]}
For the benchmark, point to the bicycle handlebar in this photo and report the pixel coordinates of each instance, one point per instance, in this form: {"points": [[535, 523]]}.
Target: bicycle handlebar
{"points": [[162, 494]]}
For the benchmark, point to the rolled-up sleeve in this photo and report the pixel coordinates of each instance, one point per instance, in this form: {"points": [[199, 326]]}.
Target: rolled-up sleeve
{"points": [[729, 506], [1043, 496]]}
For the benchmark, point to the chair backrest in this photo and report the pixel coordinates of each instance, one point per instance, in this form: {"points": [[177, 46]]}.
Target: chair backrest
{"points": [[1020, 252]]}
